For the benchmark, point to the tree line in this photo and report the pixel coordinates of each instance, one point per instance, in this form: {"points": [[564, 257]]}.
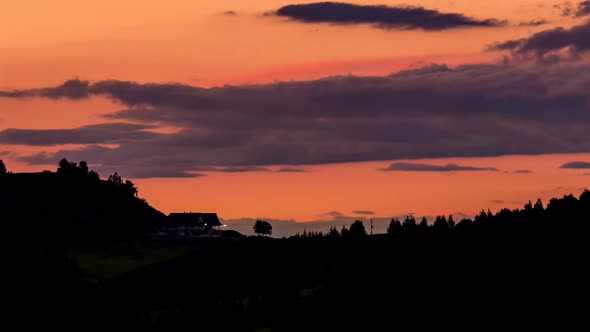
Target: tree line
{"points": [[73, 170], [567, 212]]}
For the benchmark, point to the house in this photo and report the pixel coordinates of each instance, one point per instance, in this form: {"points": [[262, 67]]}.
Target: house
{"points": [[191, 223]]}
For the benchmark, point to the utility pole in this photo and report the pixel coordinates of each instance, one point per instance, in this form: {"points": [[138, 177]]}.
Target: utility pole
{"points": [[371, 226]]}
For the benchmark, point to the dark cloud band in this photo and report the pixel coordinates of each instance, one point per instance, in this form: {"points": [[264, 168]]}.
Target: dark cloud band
{"points": [[108, 133], [433, 112]]}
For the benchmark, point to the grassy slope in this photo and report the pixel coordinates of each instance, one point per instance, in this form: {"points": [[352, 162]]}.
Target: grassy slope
{"points": [[104, 262]]}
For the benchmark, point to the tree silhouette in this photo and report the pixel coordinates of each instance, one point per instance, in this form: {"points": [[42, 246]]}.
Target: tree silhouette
{"points": [[333, 233], [115, 178], [440, 224], [409, 224], [93, 175], [3, 169], [130, 188], [83, 166], [262, 227], [584, 198], [451, 221], [423, 226], [357, 229], [65, 167], [482, 216], [72, 170], [538, 207], [395, 228], [344, 232], [464, 224]]}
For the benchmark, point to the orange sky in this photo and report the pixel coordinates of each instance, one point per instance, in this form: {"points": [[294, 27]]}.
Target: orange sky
{"points": [[193, 42], [48, 41], [359, 186]]}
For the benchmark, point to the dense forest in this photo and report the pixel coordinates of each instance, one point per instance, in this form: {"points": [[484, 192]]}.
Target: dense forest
{"points": [[512, 270]]}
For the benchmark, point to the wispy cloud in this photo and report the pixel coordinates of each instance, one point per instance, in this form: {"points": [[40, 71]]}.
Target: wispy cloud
{"points": [[533, 23], [72, 89], [576, 165], [240, 169], [363, 212], [583, 9], [417, 167], [567, 9], [291, 170], [549, 45], [384, 17]]}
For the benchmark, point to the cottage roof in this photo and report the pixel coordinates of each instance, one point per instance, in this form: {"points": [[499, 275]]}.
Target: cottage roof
{"points": [[193, 219]]}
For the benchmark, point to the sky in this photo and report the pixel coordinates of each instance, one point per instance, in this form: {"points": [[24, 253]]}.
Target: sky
{"points": [[308, 114]]}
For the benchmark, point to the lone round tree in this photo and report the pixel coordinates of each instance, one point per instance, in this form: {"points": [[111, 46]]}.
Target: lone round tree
{"points": [[262, 227]]}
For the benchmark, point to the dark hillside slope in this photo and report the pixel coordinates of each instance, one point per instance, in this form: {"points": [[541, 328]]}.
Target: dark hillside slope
{"points": [[73, 202]]}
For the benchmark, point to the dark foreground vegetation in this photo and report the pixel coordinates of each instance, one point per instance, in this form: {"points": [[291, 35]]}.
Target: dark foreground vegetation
{"points": [[514, 270]]}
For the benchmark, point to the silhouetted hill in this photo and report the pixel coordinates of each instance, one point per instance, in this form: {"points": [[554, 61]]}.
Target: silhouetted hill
{"points": [[72, 202]]}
